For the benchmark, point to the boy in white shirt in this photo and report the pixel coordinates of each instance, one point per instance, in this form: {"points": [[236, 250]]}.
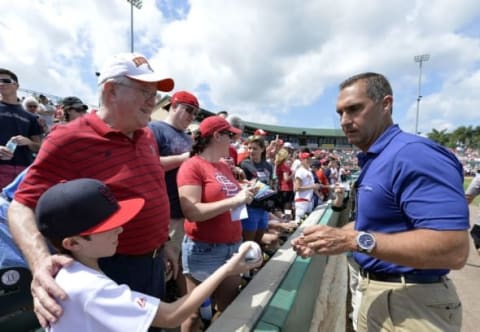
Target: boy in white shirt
{"points": [[82, 218]]}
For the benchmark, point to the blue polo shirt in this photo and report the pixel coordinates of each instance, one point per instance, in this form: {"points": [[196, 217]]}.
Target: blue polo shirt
{"points": [[408, 182]]}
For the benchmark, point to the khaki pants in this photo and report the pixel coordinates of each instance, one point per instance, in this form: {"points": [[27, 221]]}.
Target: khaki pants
{"points": [[356, 295], [406, 307]]}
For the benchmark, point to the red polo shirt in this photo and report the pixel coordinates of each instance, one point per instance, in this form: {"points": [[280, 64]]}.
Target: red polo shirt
{"points": [[89, 148]]}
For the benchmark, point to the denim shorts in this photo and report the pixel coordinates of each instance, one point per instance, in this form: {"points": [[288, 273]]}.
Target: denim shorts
{"points": [[200, 259], [257, 219]]}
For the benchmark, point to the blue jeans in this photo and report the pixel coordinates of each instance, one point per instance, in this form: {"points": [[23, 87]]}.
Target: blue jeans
{"points": [[10, 255], [141, 273], [200, 259]]}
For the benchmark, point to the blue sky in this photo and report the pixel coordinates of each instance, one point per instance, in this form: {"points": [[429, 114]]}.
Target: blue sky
{"points": [[272, 61]]}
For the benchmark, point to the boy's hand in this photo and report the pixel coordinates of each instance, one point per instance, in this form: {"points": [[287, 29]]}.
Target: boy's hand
{"points": [[45, 290], [237, 264]]}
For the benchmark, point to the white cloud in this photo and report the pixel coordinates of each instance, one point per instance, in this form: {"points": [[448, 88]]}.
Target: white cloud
{"points": [[455, 105], [259, 58]]}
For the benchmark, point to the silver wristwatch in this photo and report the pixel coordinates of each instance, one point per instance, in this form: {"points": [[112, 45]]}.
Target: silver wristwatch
{"points": [[365, 242]]}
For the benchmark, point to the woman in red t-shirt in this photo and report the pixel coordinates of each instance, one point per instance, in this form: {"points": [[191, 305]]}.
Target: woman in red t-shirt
{"points": [[211, 199], [285, 179]]}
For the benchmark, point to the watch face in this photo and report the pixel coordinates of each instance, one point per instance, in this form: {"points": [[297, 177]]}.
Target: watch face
{"points": [[366, 241]]}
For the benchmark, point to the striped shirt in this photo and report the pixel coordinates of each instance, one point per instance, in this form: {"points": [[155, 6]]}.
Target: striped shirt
{"points": [[89, 148]]}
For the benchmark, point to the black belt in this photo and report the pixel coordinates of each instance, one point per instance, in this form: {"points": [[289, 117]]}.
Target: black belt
{"points": [[409, 278]]}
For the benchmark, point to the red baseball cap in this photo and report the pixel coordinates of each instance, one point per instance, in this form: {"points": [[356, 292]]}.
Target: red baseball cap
{"points": [[184, 97], [304, 155], [216, 123], [260, 132]]}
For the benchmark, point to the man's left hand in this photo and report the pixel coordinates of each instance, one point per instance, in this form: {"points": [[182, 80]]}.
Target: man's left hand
{"points": [[324, 240]]}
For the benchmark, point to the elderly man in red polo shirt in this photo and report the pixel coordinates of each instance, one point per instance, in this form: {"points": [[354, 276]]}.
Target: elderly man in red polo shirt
{"points": [[112, 145]]}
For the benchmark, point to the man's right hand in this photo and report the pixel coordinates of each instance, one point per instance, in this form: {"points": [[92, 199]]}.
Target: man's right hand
{"points": [[45, 290]]}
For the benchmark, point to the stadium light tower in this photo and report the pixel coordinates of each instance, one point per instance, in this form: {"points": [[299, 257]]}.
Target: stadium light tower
{"points": [[420, 59], [137, 4]]}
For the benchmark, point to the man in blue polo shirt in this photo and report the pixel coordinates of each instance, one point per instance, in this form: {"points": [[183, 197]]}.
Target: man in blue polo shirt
{"points": [[411, 218]]}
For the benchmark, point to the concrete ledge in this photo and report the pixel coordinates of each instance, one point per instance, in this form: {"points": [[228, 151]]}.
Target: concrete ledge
{"points": [[271, 296]]}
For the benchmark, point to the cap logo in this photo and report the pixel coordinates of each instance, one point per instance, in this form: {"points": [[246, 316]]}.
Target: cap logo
{"points": [[107, 194], [140, 60]]}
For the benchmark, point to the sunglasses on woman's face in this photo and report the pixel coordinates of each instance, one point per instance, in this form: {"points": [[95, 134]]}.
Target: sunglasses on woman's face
{"points": [[228, 133]]}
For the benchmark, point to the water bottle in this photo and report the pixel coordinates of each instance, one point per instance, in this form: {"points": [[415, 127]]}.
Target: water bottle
{"points": [[206, 309], [11, 145]]}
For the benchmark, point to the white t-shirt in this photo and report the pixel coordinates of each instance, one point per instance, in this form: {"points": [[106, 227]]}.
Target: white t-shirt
{"points": [[96, 303], [307, 180]]}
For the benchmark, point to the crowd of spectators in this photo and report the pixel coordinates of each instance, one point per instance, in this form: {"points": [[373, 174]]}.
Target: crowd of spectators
{"points": [[48, 111], [250, 178], [470, 159], [217, 187]]}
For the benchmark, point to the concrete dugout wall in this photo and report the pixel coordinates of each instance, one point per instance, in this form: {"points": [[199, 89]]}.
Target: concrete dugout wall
{"points": [[293, 294]]}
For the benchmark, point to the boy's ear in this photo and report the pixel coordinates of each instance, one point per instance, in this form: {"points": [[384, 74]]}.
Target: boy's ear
{"points": [[70, 243]]}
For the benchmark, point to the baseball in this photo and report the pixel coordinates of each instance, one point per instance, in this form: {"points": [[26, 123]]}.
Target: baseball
{"points": [[254, 254]]}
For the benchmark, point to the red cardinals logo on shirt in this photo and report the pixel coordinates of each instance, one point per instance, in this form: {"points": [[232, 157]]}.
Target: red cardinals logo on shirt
{"points": [[141, 302], [228, 186]]}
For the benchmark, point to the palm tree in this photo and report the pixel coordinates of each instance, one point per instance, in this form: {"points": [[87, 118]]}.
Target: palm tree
{"points": [[441, 137]]}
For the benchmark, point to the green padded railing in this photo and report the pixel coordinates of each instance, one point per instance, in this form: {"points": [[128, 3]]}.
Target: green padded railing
{"points": [[276, 312]]}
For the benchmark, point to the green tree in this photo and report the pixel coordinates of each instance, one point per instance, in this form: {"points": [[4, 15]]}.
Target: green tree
{"points": [[467, 137], [463, 135], [441, 137]]}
